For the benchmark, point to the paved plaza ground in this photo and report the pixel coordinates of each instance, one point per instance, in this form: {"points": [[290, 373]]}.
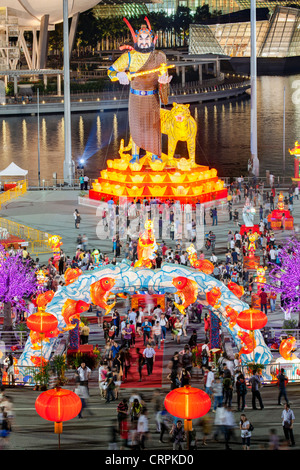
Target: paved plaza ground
{"points": [[52, 211]]}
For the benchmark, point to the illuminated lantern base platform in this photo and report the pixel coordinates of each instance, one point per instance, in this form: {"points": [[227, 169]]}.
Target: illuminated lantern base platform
{"points": [[253, 229], [280, 223], [176, 179], [141, 300], [251, 262]]}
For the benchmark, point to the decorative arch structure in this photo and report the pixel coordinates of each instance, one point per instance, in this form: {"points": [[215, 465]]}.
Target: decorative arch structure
{"points": [[129, 280]]}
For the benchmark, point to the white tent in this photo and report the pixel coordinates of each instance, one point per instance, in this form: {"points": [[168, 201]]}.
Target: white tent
{"points": [[13, 170]]}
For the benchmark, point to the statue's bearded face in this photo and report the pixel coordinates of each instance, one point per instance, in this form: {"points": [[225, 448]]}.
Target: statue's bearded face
{"points": [[144, 40]]}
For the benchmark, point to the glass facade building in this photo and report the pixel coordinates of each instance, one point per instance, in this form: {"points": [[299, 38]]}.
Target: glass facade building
{"points": [[278, 37], [225, 6], [107, 9]]}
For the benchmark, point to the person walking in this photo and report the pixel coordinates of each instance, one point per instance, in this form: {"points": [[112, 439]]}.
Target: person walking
{"points": [[77, 218], [149, 355], [156, 330], [263, 301], [140, 363], [288, 419], [164, 325], [177, 435], [282, 380], [146, 328], [209, 381], [84, 373], [241, 391], [245, 427], [217, 388], [214, 216], [143, 428], [255, 383]]}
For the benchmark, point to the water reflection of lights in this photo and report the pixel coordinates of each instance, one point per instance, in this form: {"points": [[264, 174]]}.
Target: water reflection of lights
{"points": [[44, 132], [98, 131], [81, 134], [24, 133]]}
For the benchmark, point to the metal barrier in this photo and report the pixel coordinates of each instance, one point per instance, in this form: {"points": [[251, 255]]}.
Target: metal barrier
{"points": [[271, 370], [37, 240], [13, 193]]}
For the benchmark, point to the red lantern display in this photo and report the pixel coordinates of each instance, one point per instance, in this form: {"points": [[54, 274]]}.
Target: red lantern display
{"points": [[252, 319], [58, 405], [42, 322], [187, 403]]}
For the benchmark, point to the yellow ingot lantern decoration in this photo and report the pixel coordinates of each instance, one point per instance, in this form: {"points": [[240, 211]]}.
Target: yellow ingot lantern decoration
{"points": [[158, 178], [139, 178], [165, 177], [157, 191], [177, 177]]}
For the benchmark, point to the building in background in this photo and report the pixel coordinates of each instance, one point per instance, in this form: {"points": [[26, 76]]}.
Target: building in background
{"points": [[224, 6], [277, 40]]}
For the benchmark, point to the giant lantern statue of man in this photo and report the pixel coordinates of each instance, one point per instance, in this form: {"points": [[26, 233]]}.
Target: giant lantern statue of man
{"points": [[145, 69]]}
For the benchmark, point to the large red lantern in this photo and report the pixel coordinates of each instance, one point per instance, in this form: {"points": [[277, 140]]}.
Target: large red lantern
{"points": [[187, 403], [58, 405], [42, 322], [252, 319]]}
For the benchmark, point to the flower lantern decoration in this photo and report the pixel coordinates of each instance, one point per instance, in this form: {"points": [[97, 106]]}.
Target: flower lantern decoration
{"points": [[251, 319], [187, 403], [58, 405]]}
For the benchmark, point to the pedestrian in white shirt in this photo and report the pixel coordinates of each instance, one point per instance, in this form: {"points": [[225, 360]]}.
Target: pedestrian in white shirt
{"points": [[143, 427], [132, 316], [84, 373], [209, 381]]}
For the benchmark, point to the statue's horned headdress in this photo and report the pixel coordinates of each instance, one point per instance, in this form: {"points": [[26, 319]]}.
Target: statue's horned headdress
{"points": [[143, 29]]}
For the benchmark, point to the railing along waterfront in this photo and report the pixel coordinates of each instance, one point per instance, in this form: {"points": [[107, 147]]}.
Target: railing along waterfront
{"points": [[210, 85]]}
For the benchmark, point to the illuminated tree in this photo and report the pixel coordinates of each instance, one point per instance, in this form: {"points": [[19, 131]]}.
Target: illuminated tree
{"points": [[285, 276], [17, 282]]}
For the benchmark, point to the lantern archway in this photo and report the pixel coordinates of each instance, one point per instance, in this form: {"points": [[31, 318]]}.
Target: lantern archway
{"points": [[128, 280]]}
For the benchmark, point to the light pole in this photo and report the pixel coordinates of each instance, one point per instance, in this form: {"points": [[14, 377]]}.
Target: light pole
{"points": [[68, 167], [38, 127], [253, 73]]}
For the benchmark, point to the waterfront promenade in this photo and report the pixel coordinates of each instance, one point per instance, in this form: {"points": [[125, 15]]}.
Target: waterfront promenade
{"points": [[118, 100]]}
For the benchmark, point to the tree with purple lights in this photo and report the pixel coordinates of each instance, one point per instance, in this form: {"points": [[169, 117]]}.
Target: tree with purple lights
{"points": [[286, 276], [17, 282]]}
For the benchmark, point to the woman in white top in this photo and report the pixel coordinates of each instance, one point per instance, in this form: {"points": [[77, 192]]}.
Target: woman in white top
{"points": [[139, 321], [245, 432]]}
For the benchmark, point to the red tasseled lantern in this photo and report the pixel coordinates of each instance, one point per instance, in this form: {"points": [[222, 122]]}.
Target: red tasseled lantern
{"points": [[42, 322], [187, 402], [58, 405], [252, 319]]}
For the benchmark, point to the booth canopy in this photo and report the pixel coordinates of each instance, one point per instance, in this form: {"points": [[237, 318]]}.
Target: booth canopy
{"points": [[13, 170]]}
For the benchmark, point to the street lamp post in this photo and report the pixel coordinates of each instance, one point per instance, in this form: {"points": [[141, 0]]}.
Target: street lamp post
{"points": [[68, 167], [253, 80], [38, 127]]}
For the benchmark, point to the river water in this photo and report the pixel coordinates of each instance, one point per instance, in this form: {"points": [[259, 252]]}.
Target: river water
{"points": [[223, 139]]}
